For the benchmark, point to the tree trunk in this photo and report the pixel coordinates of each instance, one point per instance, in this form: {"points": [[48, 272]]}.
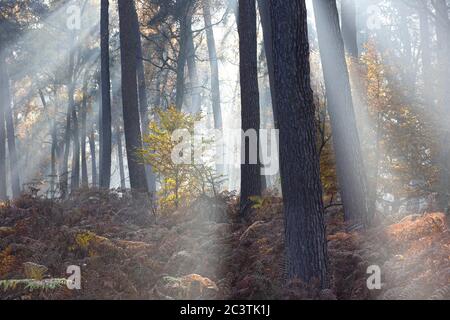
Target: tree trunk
{"points": [[349, 30], [84, 169], [185, 20], [349, 162], [250, 114], [7, 109], [129, 95], [105, 127], [214, 66], [306, 249], [75, 176], [93, 158], [120, 158], [192, 68], [143, 101]]}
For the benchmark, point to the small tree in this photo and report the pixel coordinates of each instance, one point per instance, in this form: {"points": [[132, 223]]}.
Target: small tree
{"points": [[179, 183]]}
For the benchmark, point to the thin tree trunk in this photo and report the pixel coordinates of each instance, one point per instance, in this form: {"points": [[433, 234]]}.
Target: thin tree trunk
{"points": [[93, 158], [192, 68], [250, 113], [7, 108], [349, 162], [143, 101], [120, 158], [185, 20], [75, 176], [105, 127], [130, 96], [305, 238], [84, 169], [214, 66]]}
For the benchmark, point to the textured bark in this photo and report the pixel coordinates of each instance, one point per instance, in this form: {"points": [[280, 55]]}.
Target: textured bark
{"points": [[143, 101], [131, 119], [105, 127], [7, 108], [185, 21], [214, 66], [299, 161], [349, 162], [250, 115], [192, 68], [349, 30]]}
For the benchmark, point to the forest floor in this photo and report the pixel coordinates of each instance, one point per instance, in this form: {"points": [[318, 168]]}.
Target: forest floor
{"points": [[205, 252]]}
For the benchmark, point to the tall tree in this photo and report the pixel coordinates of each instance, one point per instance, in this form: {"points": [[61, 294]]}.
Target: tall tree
{"points": [[143, 100], [133, 138], [306, 249], [214, 66], [349, 162], [105, 141], [250, 114], [349, 29], [8, 114], [425, 44]]}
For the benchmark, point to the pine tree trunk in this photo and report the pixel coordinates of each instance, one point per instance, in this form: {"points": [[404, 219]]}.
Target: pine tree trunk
{"points": [[306, 249], [84, 169], [131, 119], [120, 158], [250, 113], [349, 162], [93, 159], [105, 127], [214, 66], [143, 101], [7, 107]]}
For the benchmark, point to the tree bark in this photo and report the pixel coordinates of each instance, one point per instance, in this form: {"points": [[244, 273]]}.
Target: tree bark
{"points": [[349, 162], [305, 240], [143, 101], [131, 119], [185, 20], [105, 127], [7, 108], [250, 114]]}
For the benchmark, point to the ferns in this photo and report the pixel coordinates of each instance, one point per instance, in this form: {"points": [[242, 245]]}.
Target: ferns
{"points": [[32, 285]]}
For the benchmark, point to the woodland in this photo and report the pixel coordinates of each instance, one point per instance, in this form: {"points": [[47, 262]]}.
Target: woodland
{"points": [[224, 149]]}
